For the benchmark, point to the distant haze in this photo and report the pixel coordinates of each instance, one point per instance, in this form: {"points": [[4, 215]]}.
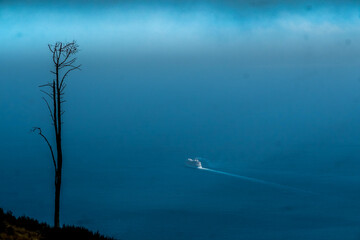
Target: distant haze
{"points": [[266, 89]]}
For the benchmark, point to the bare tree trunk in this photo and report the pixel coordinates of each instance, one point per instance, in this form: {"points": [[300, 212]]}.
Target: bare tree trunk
{"points": [[57, 102], [62, 56], [57, 201], [58, 181]]}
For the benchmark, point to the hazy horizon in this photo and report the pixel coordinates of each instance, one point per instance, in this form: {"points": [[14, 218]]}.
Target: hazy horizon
{"points": [[264, 89]]}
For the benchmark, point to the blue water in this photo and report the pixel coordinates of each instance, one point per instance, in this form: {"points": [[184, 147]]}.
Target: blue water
{"points": [[267, 91]]}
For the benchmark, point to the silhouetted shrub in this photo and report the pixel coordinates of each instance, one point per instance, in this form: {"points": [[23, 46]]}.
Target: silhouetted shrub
{"points": [[2, 222], [2, 226], [47, 232], [67, 232], [10, 231]]}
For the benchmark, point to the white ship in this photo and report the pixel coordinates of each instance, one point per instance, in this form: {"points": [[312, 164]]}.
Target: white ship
{"points": [[195, 163]]}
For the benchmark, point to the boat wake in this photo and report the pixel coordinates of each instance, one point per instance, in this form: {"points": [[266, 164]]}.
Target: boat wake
{"points": [[196, 163]]}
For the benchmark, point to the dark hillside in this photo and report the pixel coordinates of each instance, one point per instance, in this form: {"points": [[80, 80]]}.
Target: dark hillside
{"points": [[25, 228]]}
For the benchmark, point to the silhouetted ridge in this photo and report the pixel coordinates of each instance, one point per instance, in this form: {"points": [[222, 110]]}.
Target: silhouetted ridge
{"points": [[12, 227]]}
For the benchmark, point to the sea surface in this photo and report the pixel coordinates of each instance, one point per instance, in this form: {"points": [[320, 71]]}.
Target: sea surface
{"points": [[265, 91]]}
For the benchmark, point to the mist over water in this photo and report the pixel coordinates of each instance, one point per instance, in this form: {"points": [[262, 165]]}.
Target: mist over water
{"points": [[264, 89]]}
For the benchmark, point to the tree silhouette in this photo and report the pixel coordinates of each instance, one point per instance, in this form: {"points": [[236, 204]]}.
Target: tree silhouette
{"points": [[64, 63]]}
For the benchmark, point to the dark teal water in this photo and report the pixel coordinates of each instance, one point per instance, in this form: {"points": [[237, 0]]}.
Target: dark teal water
{"points": [[268, 91]]}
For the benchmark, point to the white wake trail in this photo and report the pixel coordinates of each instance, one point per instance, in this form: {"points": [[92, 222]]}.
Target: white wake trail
{"points": [[197, 164], [255, 180]]}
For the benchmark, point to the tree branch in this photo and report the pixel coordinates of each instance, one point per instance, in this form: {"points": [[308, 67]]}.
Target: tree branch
{"points": [[67, 72], [46, 93], [46, 85], [54, 54], [68, 63], [54, 102], [51, 113], [51, 150], [49, 46]]}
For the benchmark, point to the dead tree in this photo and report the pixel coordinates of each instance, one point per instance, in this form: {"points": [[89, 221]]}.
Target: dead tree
{"points": [[64, 63]]}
